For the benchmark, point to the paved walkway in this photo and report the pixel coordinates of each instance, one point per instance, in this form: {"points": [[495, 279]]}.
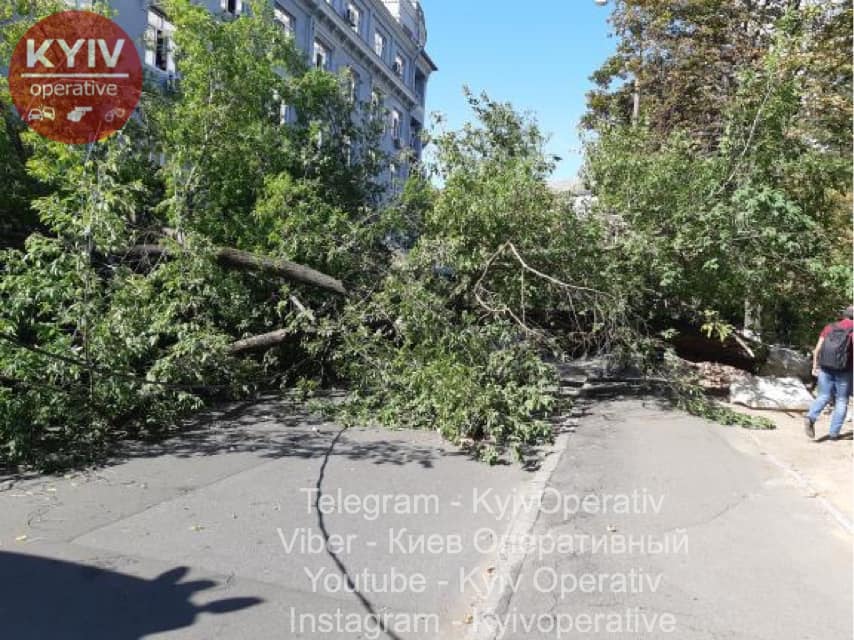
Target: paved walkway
{"points": [[752, 556], [825, 468]]}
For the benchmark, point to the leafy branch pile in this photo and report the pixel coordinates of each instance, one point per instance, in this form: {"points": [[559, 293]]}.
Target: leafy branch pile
{"points": [[100, 339], [210, 249]]}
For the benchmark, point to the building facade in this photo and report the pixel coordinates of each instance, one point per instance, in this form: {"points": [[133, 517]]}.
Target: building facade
{"points": [[380, 42]]}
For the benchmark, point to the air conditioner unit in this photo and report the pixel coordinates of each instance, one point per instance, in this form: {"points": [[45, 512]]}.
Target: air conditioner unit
{"points": [[351, 18]]}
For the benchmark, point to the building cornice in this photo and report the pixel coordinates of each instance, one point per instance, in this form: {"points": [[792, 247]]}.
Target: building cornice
{"points": [[329, 17], [401, 33], [428, 60]]}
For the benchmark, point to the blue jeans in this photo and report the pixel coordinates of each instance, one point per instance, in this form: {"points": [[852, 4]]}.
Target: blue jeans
{"points": [[832, 383]]}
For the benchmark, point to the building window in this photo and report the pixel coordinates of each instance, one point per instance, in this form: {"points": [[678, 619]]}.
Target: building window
{"points": [[395, 126], [377, 108], [286, 20], [394, 175], [415, 136], [159, 46], [399, 66], [379, 44], [348, 151], [354, 17], [321, 56], [420, 85], [353, 82], [282, 110], [232, 7], [158, 157]]}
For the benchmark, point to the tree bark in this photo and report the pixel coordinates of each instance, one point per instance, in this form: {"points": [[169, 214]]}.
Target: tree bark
{"points": [[261, 341], [752, 319], [238, 259]]}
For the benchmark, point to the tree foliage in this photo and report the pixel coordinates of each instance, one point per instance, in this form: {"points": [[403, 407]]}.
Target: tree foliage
{"points": [[734, 184], [687, 60], [99, 341], [454, 334], [96, 342], [457, 287]]}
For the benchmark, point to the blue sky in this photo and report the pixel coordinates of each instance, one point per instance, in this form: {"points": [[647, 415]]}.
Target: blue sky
{"points": [[537, 54]]}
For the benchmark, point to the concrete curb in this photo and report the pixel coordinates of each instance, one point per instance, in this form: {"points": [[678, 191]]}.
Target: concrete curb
{"points": [[577, 383], [510, 558]]}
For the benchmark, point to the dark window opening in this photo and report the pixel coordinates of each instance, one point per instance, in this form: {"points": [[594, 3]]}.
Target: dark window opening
{"points": [[161, 50]]}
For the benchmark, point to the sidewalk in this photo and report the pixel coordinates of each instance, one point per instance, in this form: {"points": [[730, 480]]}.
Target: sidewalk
{"points": [[721, 544], [824, 468], [221, 534]]}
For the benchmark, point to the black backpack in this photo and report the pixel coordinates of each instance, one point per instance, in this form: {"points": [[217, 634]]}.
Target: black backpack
{"points": [[836, 349]]}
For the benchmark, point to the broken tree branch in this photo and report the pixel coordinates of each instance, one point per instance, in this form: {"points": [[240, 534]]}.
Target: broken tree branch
{"points": [[238, 259], [261, 341], [603, 322]]}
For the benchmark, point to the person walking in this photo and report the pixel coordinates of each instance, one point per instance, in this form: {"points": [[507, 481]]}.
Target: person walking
{"points": [[831, 364]]}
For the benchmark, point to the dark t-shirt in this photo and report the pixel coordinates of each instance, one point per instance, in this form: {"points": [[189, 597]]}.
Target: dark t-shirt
{"points": [[845, 323]]}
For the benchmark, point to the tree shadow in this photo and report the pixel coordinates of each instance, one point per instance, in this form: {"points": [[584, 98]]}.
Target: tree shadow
{"points": [[271, 427], [44, 598]]}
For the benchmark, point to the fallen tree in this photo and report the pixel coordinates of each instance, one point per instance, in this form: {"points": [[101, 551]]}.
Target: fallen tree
{"points": [[734, 350], [448, 335]]}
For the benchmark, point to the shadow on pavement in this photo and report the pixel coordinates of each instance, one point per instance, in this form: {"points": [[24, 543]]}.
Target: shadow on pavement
{"points": [[367, 605], [847, 435], [43, 598], [275, 428]]}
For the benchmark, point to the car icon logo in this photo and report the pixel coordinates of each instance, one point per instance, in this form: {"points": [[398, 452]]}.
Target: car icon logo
{"points": [[42, 113], [77, 113]]}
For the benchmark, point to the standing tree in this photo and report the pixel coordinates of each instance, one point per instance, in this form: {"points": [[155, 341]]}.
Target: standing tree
{"points": [[735, 183]]}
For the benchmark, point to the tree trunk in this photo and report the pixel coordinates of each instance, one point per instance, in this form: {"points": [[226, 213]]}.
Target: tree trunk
{"points": [[752, 319]]}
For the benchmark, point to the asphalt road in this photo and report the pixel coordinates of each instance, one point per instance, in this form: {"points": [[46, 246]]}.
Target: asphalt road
{"points": [[262, 522]]}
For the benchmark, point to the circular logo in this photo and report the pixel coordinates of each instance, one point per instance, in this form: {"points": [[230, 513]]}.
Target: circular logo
{"points": [[75, 77]]}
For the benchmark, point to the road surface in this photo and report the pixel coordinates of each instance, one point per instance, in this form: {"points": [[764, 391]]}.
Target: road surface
{"points": [[263, 522]]}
